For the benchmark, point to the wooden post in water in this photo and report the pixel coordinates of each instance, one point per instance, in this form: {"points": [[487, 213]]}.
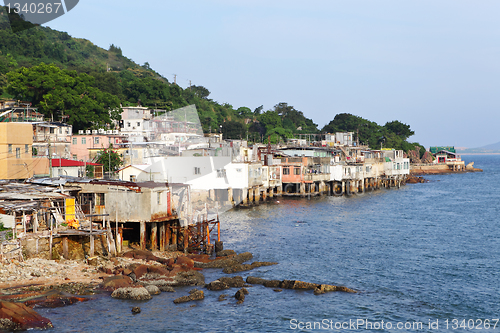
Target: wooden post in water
{"points": [[154, 237], [218, 229], [174, 236], [208, 233], [50, 237], [167, 235], [162, 236], [143, 235], [91, 252], [186, 238]]}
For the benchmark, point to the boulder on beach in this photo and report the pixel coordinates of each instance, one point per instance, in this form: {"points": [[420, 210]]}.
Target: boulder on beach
{"points": [[152, 289], [114, 282], [138, 293], [17, 316]]}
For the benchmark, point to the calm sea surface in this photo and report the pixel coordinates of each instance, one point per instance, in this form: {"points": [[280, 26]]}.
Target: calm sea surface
{"points": [[425, 252]]}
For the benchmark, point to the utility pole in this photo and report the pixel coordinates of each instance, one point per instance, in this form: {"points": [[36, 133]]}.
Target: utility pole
{"points": [[189, 85], [175, 78]]}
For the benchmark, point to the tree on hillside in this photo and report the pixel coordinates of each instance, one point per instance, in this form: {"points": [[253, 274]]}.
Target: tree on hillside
{"points": [[233, 130], [58, 92], [400, 129], [200, 91], [245, 112]]}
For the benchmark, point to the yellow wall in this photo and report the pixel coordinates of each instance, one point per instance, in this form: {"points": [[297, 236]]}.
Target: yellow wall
{"points": [[18, 163]]}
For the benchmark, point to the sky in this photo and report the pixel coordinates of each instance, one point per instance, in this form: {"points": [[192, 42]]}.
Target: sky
{"points": [[434, 65]]}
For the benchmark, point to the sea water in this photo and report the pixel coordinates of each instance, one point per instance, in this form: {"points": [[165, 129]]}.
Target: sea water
{"points": [[423, 258]]}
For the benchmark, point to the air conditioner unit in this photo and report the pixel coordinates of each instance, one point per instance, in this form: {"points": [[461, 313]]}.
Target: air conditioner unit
{"points": [[109, 132], [116, 132], [80, 132], [88, 132], [101, 131]]}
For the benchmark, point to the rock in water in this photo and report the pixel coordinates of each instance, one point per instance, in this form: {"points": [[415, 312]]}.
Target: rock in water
{"points": [[136, 309], [194, 295], [240, 295], [138, 294], [17, 316]]}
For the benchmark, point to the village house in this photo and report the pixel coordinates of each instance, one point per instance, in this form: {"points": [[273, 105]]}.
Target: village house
{"points": [[84, 141], [16, 147], [77, 169]]}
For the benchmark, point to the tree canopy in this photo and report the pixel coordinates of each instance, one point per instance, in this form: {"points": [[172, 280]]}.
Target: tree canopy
{"points": [[58, 92]]}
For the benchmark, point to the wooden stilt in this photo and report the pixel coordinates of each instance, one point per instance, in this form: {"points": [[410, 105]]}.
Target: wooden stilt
{"points": [[154, 236], [143, 235], [168, 235], [186, 239], [162, 236]]}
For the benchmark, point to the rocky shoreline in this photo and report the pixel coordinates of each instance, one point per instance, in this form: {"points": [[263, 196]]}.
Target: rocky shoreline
{"points": [[136, 274]]}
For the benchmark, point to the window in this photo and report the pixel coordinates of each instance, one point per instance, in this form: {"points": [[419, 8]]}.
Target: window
{"points": [[84, 141], [52, 130], [26, 149], [158, 197], [18, 152], [96, 140], [128, 124], [286, 171], [197, 171], [133, 178], [75, 141], [138, 124], [10, 148], [75, 157], [296, 171], [221, 173]]}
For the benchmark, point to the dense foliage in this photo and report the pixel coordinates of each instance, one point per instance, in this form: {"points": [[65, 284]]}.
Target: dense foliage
{"points": [[75, 80], [110, 159], [393, 134]]}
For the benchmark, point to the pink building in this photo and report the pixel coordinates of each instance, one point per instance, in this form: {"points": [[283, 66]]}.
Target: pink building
{"points": [[81, 143]]}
